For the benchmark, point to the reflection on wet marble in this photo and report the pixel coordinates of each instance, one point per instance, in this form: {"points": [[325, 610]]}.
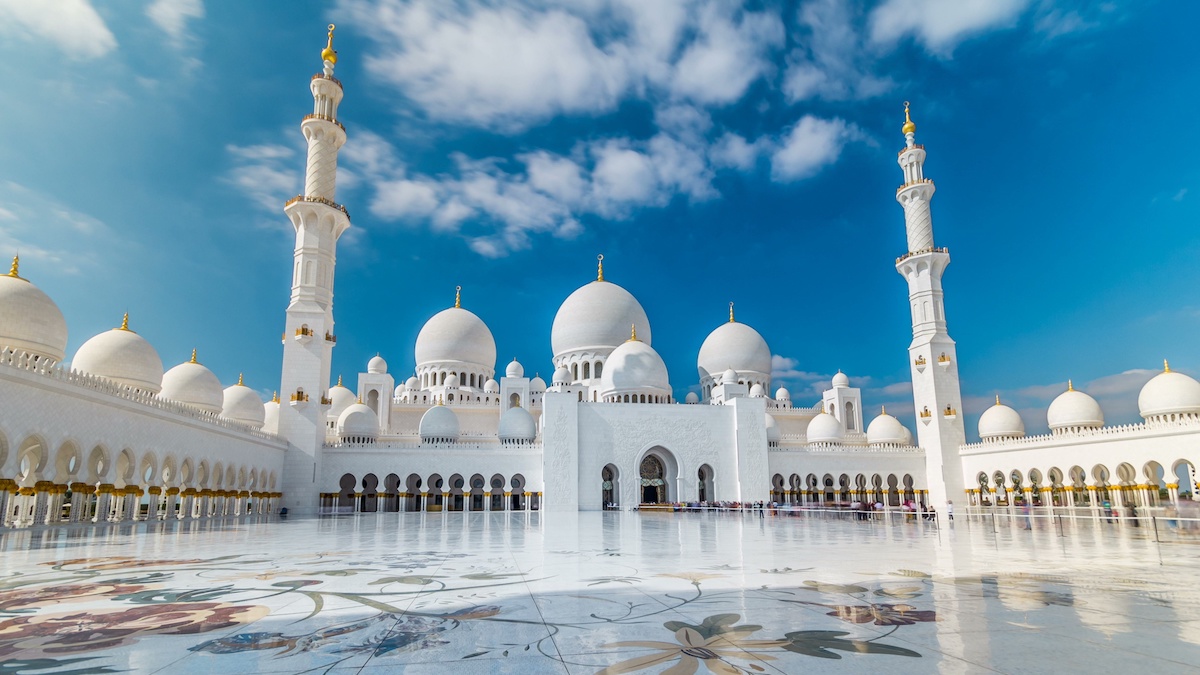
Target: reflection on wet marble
{"points": [[595, 593]]}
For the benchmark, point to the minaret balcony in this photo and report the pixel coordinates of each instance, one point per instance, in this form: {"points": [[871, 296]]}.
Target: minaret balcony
{"points": [[323, 76], [326, 401], [317, 200], [950, 413], [926, 416], [915, 146], [303, 334], [331, 338], [931, 249], [327, 118], [920, 363], [944, 361], [922, 181], [299, 398]]}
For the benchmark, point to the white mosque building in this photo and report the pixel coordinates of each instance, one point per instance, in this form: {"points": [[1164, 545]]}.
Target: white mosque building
{"points": [[111, 437]]}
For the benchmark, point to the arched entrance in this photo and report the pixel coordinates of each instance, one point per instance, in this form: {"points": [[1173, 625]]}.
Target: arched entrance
{"points": [[610, 487], [705, 478], [653, 483]]}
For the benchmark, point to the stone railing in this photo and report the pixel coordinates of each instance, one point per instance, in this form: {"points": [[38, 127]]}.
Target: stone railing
{"points": [[416, 446], [23, 361], [838, 448], [323, 76], [325, 118], [317, 200], [931, 249], [1116, 433]]}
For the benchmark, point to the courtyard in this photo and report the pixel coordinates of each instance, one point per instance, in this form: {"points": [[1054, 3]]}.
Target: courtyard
{"points": [[530, 592]]}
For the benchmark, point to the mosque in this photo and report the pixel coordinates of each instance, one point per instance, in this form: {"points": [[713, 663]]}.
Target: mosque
{"points": [[109, 436]]}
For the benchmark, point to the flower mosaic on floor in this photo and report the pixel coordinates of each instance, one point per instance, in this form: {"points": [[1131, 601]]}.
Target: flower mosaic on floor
{"points": [[584, 611]]}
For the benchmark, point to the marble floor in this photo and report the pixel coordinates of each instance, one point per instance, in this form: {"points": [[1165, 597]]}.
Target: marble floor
{"points": [[608, 593]]}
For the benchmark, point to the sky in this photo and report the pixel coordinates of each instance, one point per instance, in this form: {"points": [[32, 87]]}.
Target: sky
{"points": [[713, 151]]}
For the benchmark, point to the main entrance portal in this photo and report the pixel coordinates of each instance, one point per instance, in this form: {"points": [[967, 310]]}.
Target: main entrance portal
{"points": [[653, 485]]}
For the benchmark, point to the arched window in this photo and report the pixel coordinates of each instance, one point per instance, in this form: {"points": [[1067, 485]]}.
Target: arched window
{"points": [[514, 401], [597, 369], [443, 379], [587, 370], [574, 371], [472, 379], [850, 416]]}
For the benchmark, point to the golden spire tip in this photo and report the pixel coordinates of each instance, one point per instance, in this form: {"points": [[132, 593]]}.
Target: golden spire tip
{"points": [[997, 399], [458, 296], [275, 397], [328, 54], [883, 410], [339, 380], [1166, 366], [731, 312], [633, 332], [125, 322], [600, 267], [241, 382], [194, 356], [1070, 386], [13, 272], [908, 127]]}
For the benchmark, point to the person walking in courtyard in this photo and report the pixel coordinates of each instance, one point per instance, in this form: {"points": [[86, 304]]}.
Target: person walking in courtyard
{"points": [[949, 510]]}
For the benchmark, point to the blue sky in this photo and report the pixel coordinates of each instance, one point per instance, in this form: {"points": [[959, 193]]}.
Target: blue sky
{"points": [[712, 151]]}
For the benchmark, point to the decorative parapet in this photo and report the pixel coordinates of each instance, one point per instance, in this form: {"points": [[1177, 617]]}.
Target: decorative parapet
{"points": [[325, 118], [28, 363], [322, 76], [402, 445], [1154, 427], [317, 200], [915, 146], [839, 448], [931, 249], [922, 181]]}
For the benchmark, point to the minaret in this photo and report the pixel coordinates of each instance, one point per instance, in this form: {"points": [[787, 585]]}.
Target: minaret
{"points": [[931, 355], [308, 337]]}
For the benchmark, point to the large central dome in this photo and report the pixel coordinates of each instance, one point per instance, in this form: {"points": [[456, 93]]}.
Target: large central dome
{"points": [[456, 334], [734, 345], [597, 317]]}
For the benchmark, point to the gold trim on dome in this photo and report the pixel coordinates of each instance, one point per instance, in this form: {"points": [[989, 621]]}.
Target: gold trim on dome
{"points": [[328, 54]]}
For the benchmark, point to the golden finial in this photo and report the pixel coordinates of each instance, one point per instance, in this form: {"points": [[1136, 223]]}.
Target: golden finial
{"points": [[1166, 366], [328, 54], [241, 382], [1070, 386], [731, 312], [360, 400], [339, 380], [194, 356], [275, 397], [633, 332], [883, 410], [125, 322], [997, 399], [600, 267], [909, 127], [15, 266], [458, 296]]}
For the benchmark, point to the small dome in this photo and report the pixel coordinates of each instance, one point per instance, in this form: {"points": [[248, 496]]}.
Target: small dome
{"points": [[491, 387], [562, 376], [458, 336], [737, 346], [729, 376], [340, 398], [634, 367], [377, 365], [1001, 421], [841, 380], [773, 433], [400, 390], [825, 428], [452, 381], [757, 391], [886, 430], [122, 356], [241, 404], [516, 424], [1169, 393], [537, 384], [271, 417], [597, 317], [1074, 409], [439, 423], [691, 398], [413, 383], [29, 319], [908, 437], [782, 394], [514, 369], [192, 384], [358, 421]]}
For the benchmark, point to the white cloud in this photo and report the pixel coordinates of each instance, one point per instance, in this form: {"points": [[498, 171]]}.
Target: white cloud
{"points": [[941, 25], [27, 216], [402, 198], [268, 174], [73, 26], [831, 61], [173, 15], [812, 144], [508, 66]]}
